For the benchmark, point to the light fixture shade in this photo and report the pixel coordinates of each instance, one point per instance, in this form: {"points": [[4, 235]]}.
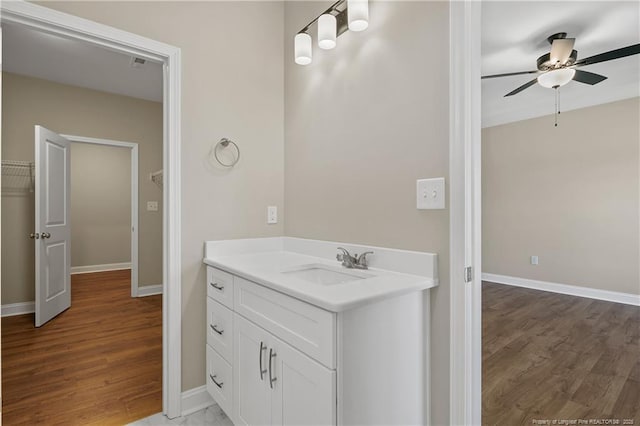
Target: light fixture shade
{"points": [[327, 29], [358, 14], [556, 78], [302, 49]]}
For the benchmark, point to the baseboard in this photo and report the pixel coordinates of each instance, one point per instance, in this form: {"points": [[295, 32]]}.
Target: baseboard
{"points": [[22, 308], [100, 268], [149, 290], [591, 293], [195, 399]]}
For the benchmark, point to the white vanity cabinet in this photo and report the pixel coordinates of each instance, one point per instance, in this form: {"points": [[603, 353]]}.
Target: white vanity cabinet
{"points": [[273, 359], [257, 378]]}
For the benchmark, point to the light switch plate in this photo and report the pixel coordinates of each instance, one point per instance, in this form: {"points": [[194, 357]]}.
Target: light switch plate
{"points": [[430, 194], [272, 214], [152, 206]]}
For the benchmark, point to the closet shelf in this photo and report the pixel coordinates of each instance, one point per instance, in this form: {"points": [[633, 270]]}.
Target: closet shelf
{"points": [[18, 176]]}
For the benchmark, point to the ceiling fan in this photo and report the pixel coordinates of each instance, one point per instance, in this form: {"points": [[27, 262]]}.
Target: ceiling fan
{"points": [[558, 67]]}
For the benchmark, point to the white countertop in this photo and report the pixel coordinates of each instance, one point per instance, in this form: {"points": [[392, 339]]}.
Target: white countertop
{"points": [[268, 264]]}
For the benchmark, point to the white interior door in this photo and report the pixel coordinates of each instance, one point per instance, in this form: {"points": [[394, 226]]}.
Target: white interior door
{"points": [[52, 230]]}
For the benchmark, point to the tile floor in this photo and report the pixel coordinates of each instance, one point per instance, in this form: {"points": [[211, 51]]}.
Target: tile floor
{"points": [[210, 416]]}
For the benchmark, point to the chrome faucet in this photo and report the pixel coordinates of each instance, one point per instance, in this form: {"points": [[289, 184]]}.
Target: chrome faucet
{"points": [[353, 262]]}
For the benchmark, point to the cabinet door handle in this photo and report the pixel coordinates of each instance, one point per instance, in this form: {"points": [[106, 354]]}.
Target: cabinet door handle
{"points": [[213, 327], [272, 355], [217, 287], [263, 348], [213, 379]]}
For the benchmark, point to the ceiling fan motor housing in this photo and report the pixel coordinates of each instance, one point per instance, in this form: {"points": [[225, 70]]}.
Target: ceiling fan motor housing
{"points": [[544, 62], [556, 36]]}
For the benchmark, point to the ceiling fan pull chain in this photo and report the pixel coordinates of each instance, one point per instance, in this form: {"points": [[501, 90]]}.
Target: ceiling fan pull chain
{"points": [[557, 107]]}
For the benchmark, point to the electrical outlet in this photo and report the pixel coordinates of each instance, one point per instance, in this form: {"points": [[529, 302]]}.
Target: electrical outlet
{"points": [[272, 214], [152, 206], [534, 260]]}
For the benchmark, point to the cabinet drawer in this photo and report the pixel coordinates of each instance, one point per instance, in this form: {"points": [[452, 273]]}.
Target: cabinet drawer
{"points": [[308, 328], [220, 328], [219, 380], [220, 286]]}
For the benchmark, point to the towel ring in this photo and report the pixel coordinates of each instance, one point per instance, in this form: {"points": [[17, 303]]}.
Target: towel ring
{"points": [[224, 142]]}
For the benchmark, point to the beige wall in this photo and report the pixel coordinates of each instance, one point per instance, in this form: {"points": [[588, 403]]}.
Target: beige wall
{"points": [[569, 195], [362, 123], [71, 110], [101, 205], [377, 157], [226, 92]]}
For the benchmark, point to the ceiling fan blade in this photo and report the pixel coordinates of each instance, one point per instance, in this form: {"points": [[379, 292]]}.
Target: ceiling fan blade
{"points": [[634, 49], [509, 73], [561, 49], [588, 77], [521, 88]]}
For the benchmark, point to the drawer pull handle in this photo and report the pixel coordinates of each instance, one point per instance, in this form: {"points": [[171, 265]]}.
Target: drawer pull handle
{"points": [[213, 379], [263, 348], [271, 379], [213, 327], [217, 287]]}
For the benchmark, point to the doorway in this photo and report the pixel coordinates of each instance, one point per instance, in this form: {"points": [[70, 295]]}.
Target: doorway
{"points": [[39, 18], [84, 173], [466, 296], [133, 184]]}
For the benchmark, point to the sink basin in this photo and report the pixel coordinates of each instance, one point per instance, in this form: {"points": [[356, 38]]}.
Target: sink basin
{"points": [[325, 275]]}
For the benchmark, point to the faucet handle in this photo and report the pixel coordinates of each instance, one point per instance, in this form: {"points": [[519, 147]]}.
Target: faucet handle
{"points": [[347, 260], [344, 255], [362, 259]]}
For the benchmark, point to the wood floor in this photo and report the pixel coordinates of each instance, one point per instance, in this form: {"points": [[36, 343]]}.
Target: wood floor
{"points": [[99, 362], [549, 356]]}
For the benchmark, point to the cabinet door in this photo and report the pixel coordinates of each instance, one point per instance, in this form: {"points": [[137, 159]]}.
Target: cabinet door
{"points": [[252, 399], [303, 391]]}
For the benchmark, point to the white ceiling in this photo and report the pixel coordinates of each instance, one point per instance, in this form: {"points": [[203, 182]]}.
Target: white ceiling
{"points": [[49, 57], [514, 35]]}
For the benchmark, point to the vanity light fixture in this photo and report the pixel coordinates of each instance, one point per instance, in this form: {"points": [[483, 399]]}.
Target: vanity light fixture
{"points": [[303, 50], [358, 12], [343, 15], [327, 31]]}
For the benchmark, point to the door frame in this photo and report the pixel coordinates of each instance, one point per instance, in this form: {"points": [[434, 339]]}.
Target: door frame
{"points": [[47, 20], [134, 196], [465, 213]]}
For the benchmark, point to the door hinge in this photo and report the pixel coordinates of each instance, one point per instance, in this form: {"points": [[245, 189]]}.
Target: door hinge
{"points": [[468, 274]]}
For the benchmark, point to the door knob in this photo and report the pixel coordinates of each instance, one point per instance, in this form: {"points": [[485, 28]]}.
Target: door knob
{"points": [[34, 235], [45, 235]]}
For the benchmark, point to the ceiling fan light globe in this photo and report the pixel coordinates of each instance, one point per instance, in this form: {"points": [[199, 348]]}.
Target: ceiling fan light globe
{"points": [[556, 78]]}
